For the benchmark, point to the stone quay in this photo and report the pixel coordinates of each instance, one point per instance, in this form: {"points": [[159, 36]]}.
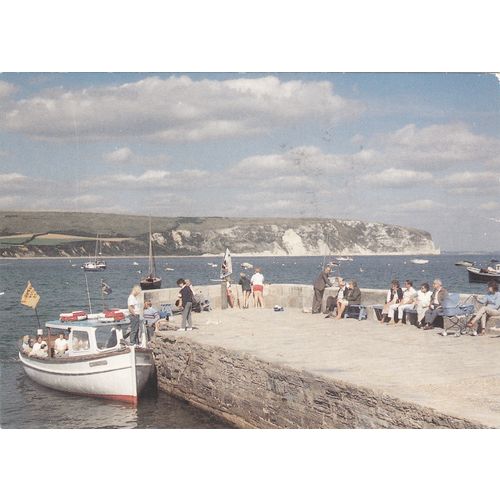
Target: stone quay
{"points": [[258, 368]]}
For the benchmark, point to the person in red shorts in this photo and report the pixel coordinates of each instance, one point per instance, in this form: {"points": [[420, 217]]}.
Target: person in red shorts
{"points": [[257, 282]]}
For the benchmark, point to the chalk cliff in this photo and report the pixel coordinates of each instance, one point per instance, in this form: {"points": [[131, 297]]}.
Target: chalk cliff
{"points": [[202, 236]]}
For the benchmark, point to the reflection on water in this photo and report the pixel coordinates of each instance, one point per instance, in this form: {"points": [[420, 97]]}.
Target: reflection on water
{"points": [[30, 405]]}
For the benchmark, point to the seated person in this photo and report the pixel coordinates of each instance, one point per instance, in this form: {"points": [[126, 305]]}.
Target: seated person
{"points": [[60, 346], [490, 308], [394, 296], [39, 349], [406, 303], [353, 297], [438, 297], [332, 303], [423, 301], [26, 345], [151, 317]]}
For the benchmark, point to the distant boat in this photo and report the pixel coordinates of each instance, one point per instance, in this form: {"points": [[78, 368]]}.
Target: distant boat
{"points": [[464, 263], [98, 264], [481, 275], [419, 261], [211, 264], [333, 263], [152, 281], [247, 265], [346, 259], [135, 264], [169, 269]]}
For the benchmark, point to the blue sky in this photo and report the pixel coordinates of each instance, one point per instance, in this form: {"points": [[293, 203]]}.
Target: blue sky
{"points": [[414, 149]]}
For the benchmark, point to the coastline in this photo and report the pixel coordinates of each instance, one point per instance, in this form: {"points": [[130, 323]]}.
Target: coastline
{"points": [[214, 256]]}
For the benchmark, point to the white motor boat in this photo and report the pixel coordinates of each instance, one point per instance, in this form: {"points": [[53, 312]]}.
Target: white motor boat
{"points": [[98, 361], [419, 261], [247, 265], [346, 259]]}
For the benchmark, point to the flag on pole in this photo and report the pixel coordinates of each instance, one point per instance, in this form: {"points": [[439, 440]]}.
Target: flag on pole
{"points": [[105, 288], [227, 265], [29, 297]]}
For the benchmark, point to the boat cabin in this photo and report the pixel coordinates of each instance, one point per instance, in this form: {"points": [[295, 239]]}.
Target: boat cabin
{"points": [[88, 337]]}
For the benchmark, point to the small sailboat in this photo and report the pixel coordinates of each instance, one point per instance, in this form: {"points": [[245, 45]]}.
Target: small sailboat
{"points": [[152, 281], [98, 264]]}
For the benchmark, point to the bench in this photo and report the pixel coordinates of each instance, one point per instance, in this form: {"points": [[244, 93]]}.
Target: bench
{"points": [[356, 311]]}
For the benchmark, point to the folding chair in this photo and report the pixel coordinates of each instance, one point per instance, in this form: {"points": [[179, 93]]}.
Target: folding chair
{"points": [[457, 314]]}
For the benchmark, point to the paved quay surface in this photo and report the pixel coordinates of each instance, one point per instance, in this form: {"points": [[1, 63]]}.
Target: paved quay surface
{"points": [[456, 376]]}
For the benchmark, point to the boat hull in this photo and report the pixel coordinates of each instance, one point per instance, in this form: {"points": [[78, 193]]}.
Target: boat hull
{"points": [[120, 375], [476, 276], [151, 285]]}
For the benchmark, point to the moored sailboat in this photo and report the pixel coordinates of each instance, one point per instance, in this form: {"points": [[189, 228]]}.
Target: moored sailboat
{"points": [[98, 264], [152, 281]]}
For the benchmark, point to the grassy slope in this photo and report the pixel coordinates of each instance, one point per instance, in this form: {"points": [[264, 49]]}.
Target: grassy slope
{"points": [[86, 224]]}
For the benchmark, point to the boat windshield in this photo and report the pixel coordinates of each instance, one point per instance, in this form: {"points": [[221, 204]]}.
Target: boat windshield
{"points": [[108, 336]]}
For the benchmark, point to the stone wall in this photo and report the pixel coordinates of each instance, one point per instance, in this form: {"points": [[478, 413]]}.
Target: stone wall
{"points": [[252, 393]]}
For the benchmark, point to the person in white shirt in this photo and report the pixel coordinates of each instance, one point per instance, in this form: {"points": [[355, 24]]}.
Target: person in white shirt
{"points": [[134, 310], [60, 346], [257, 282], [39, 348], [423, 302], [408, 302], [26, 347]]}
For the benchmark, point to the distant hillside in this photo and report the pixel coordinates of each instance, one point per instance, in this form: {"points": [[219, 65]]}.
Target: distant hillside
{"points": [[73, 234]]}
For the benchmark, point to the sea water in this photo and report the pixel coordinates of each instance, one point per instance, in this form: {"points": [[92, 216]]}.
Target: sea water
{"points": [[62, 286]]}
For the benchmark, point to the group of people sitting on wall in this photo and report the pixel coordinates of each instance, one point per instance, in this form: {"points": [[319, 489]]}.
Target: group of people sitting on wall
{"points": [[38, 348], [426, 303], [347, 295]]}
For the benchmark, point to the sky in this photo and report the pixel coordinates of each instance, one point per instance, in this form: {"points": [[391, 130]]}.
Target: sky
{"points": [[414, 149]]}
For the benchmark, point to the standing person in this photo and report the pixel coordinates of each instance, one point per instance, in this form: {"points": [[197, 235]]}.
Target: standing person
{"points": [[134, 310], [151, 317], [439, 295], [423, 302], [491, 307], [257, 282], [322, 281], [246, 287], [186, 305]]}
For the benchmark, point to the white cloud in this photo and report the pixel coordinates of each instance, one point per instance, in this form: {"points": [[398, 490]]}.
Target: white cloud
{"points": [[176, 109], [6, 89], [393, 177], [304, 160], [125, 156], [150, 179], [472, 179], [434, 146], [490, 205], [424, 205]]}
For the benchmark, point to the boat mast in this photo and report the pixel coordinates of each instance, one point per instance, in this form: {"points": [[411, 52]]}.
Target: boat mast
{"points": [[152, 267], [96, 247]]}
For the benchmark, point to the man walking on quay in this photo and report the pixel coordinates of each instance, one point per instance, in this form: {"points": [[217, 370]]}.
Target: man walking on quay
{"points": [[322, 281]]}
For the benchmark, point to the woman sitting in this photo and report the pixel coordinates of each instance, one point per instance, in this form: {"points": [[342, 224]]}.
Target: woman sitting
{"points": [[27, 345], [490, 308], [394, 296], [352, 297], [423, 302], [39, 348]]}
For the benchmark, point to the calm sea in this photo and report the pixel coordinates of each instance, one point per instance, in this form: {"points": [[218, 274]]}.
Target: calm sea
{"points": [[62, 287]]}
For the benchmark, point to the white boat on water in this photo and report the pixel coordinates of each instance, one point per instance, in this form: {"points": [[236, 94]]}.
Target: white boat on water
{"points": [[98, 363], [345, 259], [247, 265], [98, 264], [419, 261]]}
